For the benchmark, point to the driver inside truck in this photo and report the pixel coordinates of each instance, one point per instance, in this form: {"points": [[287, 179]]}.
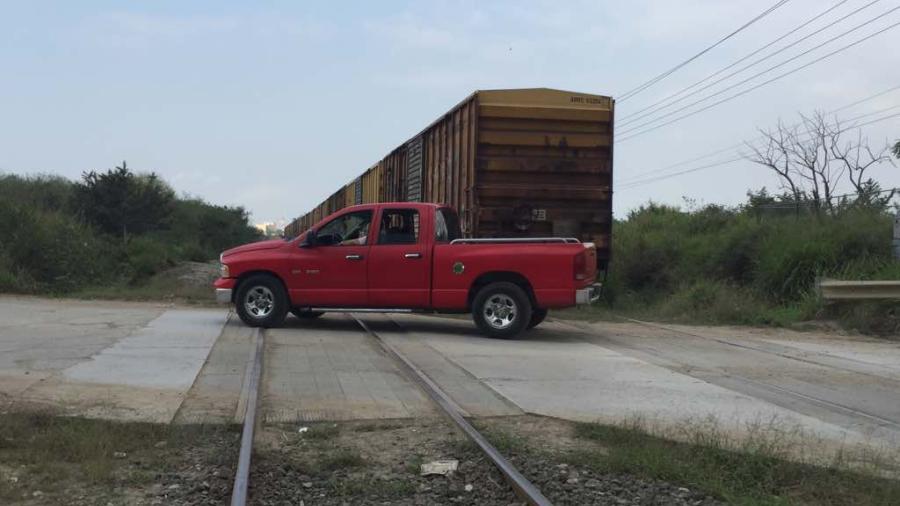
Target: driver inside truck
{"points": [[356, 233]]}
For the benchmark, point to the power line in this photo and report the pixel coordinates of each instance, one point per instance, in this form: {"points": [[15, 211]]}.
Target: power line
{"points": [[642, 182], [645, 181], [740, 144], [836, 37], [748, 90], [638, 182], [660, 77], [638, 114], [870, 97]]}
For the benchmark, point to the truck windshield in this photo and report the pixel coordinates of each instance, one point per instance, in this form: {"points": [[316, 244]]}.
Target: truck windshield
{"points": [[446, 225]]}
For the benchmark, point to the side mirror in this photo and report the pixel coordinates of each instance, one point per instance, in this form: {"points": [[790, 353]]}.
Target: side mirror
{"points": [[310, 240]]}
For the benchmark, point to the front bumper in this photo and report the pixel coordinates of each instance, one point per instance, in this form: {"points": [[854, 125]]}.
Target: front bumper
{"points": [[588, 295], [224, 289]]}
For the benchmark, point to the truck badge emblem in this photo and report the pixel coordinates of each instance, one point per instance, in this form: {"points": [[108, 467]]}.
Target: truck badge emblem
{"points": [[458, 268]]}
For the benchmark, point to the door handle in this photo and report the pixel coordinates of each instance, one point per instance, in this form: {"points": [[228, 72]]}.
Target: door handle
{"points": [[353, 257], [413, 255]]}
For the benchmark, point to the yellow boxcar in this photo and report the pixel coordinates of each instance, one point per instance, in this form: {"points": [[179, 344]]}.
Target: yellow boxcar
{"points": [[514, 163]]}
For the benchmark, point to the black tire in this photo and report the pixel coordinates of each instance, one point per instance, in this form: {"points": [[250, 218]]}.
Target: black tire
{"points": [[263, 289], [500, 294], [537, 317], [305, 314]]}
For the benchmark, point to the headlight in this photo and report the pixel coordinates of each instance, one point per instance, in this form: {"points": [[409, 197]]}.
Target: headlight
{"points": [[223, 271]]}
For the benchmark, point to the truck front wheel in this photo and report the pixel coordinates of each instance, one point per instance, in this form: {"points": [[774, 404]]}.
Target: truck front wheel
{"points": [[261, 302], [537, 317], [305, 314], [501, 310]]}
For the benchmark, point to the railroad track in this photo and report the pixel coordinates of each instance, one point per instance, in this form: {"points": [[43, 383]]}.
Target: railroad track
{"points": [[524, 489]]}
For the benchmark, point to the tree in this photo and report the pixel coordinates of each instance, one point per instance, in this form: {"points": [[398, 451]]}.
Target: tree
{"points": [[812, 160], [121, 202], [897, 149]]}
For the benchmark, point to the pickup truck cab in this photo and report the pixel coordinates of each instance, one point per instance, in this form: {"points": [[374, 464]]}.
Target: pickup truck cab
{"points": [[407, 257]]}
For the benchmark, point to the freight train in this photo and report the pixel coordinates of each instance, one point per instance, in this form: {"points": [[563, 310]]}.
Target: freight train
{"points": [[514, 163]]}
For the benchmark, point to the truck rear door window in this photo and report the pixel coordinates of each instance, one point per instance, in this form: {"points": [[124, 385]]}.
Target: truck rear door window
{"points": [[399, 226], [446, 226]]}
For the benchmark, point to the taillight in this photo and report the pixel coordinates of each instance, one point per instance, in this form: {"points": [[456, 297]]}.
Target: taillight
{"points": [[580, 267]]}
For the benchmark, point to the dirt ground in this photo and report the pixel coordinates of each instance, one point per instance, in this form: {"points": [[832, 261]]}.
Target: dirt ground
{"points": [[46, 460], [379, 463]]}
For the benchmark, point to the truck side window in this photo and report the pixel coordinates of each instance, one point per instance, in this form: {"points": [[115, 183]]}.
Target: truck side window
{"points": [[446, 226], [351, 229], [399, 226]]}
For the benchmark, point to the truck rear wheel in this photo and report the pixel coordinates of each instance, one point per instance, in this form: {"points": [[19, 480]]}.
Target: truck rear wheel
{"points": [[261, 302], [501, 310], [537, 317]]}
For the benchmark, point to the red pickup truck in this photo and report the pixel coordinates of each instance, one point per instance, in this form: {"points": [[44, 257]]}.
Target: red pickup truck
{"points": [[407, 257]]}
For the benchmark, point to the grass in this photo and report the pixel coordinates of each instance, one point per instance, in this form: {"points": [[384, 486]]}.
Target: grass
{"points": [[341, 459], [175, 284], [372, 488], [503, 441], [414, 464], [321, 432], [755, 472], [54, 454], [767, 465], [377, 426]]}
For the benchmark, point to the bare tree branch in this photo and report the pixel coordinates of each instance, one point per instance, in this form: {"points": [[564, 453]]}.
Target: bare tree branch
{"points": [[812, 160]]}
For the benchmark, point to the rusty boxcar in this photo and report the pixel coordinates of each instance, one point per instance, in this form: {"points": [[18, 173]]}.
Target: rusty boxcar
{"points": [[514, 163]]}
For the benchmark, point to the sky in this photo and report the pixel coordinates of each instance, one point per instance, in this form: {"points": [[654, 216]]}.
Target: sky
{"points": [[274, 105]]}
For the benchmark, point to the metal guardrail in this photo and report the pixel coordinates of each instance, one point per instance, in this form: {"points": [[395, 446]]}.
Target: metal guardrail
{"points": [[834, 289]]}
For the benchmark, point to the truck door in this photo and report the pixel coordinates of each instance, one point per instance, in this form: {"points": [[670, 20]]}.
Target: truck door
{"points": [[400, 261], [332, 273]]}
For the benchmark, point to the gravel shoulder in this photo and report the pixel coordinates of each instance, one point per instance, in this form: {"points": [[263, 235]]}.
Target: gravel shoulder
{"points": [[379, 463], [49, 460]]}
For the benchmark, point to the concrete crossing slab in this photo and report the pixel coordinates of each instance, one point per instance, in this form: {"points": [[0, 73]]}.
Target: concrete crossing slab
{"points": [[102, 359], [467, 391], [39, 337], [167, 353], [329, 369], [218, 394], [554, 371]]}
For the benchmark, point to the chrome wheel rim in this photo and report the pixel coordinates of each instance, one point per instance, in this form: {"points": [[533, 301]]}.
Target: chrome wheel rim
{"points": [[259, 302], [500, 311]]}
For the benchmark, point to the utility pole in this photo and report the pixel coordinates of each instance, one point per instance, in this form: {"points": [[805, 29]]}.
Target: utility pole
{"points": [[896, 242]]}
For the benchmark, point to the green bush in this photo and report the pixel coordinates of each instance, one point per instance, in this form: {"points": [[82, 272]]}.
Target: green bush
{"points": [[146, 256], [741, 266], [37, 192], [59, 237], [52, 251]]}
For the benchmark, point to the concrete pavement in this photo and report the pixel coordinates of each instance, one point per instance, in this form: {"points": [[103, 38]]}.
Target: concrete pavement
{"points": [[328, 369], [583, 374], [157, 363], [102, 359]]}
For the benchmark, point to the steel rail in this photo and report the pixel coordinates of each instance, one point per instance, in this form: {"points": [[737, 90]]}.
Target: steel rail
{"points": [[242, 475], [523, 488]]}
